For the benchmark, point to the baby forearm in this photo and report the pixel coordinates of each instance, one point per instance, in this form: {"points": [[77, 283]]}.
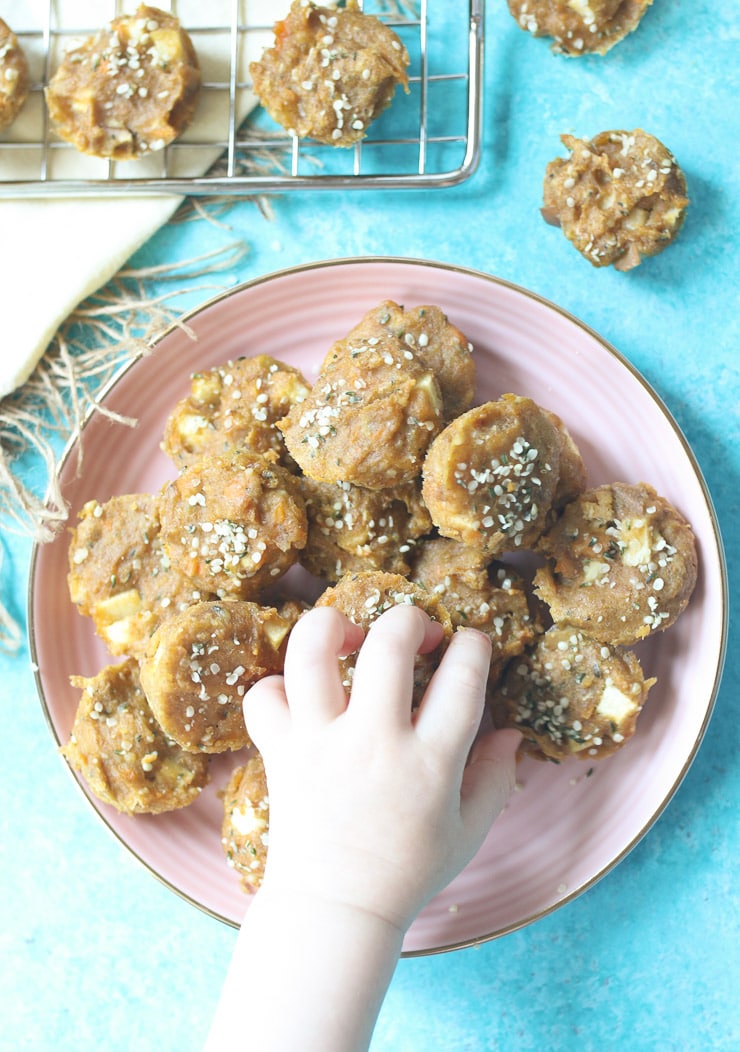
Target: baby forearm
{"points": [[373, 809], [307, 974]]}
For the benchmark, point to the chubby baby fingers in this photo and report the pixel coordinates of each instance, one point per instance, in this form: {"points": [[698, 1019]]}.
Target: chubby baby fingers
{"points": [[451, 710], [266, 711], [313, 684], [488, 782], [383, 681]]}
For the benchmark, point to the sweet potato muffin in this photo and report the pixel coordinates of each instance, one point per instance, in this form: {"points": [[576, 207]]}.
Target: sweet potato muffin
{"points": [[570, 694], [353, 528], [246, 821], [491, 476], [289, 608], [579, 27], [621, 563], [572, 474], [200, 664], [371, 414], [233, 523], [478, 594], [618, 198], [436, 342], [128, 90], [331, 72], [14, 77], [121, 751], [234, 406], [120, 575], [363, 597]]}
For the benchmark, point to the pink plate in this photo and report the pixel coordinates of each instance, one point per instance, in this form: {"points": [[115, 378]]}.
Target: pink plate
{"points": [[567, 825]]}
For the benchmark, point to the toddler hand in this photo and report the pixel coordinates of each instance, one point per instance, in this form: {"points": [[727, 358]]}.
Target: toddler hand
{"points": [[373, 806]]}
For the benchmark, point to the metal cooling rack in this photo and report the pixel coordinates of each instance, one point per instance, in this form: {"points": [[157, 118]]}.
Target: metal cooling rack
{"points": [[429, 138]]}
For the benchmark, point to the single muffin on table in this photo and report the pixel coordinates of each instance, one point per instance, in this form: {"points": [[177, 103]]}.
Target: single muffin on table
{"points": [[618, 198], [580, 27]]}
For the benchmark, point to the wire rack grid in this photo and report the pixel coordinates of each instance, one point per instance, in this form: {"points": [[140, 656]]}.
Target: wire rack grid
{"points": [[428, 138]]}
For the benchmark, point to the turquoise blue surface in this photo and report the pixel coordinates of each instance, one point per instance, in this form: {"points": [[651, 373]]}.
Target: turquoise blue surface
{"points": [[97, 955]]}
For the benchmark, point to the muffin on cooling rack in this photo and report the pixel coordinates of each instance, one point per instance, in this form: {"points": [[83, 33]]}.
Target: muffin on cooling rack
{"points": [[14, 80], [330, 73], [128, 90]]}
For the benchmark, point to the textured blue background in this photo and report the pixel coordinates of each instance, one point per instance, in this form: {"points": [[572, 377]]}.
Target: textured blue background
{"points": [[98, 955]]}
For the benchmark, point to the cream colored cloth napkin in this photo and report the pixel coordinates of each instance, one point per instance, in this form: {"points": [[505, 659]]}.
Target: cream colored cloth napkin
{"points": [[57, 251]]}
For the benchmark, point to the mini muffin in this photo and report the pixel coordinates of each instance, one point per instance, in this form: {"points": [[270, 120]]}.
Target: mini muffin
{"points": [[572, 474], [371, 414], [323, 558], [200, 665], [129, 90], [622, 563], [571, 695], [353, 528], [363, 597], [121, 751], [491, 476], [439, 346], [331, 72], [234, 523], [478, 594], [14, 76], [618, 198], [580, 27], [290, 609], [234, 406], [119, 573], [245, 825]]}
